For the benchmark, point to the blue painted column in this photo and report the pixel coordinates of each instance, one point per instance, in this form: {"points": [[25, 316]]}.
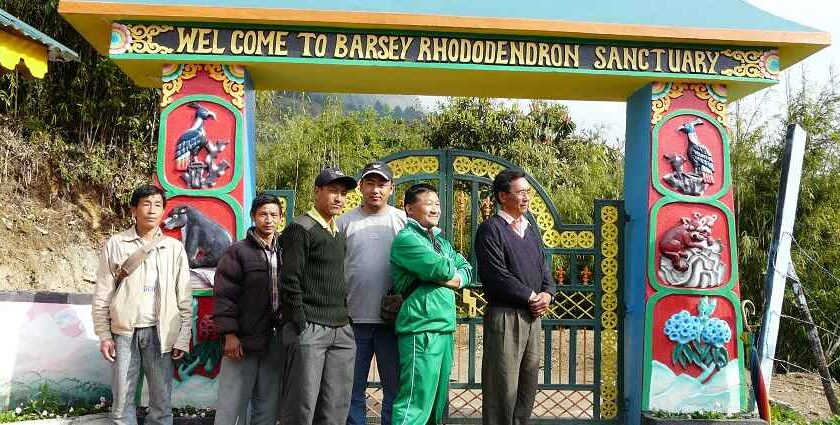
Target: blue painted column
{"points": [[636, 192]]}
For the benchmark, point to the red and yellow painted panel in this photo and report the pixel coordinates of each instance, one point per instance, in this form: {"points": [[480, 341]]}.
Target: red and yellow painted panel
{"points": [[693, 358]]}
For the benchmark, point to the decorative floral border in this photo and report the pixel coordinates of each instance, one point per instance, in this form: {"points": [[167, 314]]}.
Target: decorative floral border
{"points": [[232, 78], [754, 63], [609, 311], [662, 95], [137, 39], [715, 96]]}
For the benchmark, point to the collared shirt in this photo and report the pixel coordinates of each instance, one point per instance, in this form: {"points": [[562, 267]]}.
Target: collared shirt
{"points": [[520, 228], [147, 314], [270, 252], [131, 235], [331, 227], [434, 231]]}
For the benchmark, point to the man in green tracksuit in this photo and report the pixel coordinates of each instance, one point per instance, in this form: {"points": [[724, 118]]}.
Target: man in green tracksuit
{"points": [[426, 270]]}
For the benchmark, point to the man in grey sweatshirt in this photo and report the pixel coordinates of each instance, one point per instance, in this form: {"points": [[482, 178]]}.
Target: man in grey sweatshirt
{"points": [[369, 231]]}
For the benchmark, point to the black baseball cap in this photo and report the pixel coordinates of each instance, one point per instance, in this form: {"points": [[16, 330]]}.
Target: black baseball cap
{"points": [[379, 168], [333, 174]]}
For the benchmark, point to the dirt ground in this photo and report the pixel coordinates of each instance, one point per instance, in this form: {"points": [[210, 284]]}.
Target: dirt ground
{"points": [[46, 247], [802, 392]]}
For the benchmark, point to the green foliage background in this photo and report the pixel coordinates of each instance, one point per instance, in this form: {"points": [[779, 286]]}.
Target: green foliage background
{"points": [[757, 162], [91, 126]]}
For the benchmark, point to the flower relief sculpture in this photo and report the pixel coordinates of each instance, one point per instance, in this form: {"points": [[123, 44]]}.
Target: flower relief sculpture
{"points": [[701, 340]]}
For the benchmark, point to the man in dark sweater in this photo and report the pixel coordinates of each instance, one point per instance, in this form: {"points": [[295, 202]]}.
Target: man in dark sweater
{"points": [[320, 348], [247, 308], [519, 288]]}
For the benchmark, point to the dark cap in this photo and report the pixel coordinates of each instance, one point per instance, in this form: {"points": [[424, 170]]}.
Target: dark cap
{"points": [[379, 168], [331, 175]]}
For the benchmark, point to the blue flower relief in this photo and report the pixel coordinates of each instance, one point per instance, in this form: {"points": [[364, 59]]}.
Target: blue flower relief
{"points": [[682, 327], [717, 332], [700, 340]]}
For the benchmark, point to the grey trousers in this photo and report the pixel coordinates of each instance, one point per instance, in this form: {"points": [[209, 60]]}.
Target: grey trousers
{"points": [[253, 379], [141, 348], [319, 374], [510, 365]]}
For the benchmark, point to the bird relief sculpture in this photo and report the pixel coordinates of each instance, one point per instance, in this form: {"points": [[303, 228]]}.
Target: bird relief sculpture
{"points": [[197, 173], [695, 182], [691, 257]]}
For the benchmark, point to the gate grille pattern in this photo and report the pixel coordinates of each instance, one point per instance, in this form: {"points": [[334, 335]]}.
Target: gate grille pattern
{"points": [[579, 371]]}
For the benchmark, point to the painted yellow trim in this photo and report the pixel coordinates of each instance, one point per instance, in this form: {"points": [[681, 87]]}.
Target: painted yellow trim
{"points": [[110, 11], [320, 77], [14, 49]]}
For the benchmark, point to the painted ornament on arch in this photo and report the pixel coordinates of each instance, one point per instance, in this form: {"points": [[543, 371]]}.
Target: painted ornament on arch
{"points": [[691, 257], [693, 182], [197, 173]]}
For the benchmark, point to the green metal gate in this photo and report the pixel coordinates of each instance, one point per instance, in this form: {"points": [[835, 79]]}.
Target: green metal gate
{"points": [[579, 380]]}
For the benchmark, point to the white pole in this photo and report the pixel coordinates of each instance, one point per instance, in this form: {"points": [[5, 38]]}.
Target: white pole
{"points": [[779, 259]]}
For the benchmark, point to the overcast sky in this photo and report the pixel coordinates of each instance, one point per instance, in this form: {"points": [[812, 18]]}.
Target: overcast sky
{"points": [[820, 14]]}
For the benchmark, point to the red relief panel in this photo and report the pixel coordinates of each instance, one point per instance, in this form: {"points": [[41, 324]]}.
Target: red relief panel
{"points": [[689, 100], [199, 147], [205, 354], [693, 246], [206, 226], [694, 335], [690, 156], [238, 192]]}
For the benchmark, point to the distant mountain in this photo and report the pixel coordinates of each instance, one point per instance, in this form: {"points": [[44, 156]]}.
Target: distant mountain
{"points": [[398, 106]]}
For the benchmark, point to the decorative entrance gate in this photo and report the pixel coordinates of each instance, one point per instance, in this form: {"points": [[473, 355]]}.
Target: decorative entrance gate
{"points": [[676, 72], [579, 379]]}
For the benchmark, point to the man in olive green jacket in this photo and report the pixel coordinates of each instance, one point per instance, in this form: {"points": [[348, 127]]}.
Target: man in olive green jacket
{"points": [[426, 270]]}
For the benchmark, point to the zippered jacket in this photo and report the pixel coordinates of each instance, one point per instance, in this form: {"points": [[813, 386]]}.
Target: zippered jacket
{"points": [[242, 291], [114, 309], [431, 306]]}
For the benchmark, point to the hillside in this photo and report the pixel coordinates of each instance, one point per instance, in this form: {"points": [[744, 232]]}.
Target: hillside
{"points": [[397, 106]]}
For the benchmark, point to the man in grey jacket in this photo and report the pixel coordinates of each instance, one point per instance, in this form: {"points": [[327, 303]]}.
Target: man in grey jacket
{"points": [[143, 316]]}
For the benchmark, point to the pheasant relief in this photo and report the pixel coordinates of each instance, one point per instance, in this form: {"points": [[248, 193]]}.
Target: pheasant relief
{"points": [[200, 173], [693, 182]]}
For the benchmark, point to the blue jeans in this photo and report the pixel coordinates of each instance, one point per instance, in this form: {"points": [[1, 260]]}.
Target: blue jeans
{"points": [[381, 340], [143, 347]]}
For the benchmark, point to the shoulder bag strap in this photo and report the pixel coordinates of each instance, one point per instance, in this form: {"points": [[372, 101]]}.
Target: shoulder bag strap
{"points": [[135, 260]]}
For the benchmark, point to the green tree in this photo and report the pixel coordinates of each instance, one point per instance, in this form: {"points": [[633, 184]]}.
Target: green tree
{"points": [[757, 156], [95, 129], [293, 149], [574, 168]]}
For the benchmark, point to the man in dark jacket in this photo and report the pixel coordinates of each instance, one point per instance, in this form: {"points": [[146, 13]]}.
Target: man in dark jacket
{"points": [[519, 289], [247, 305]]}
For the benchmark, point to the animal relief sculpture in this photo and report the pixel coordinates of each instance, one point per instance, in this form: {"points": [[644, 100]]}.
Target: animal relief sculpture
{"points": [[204, 240], [696, 182], [691, 257], [199, 174]]}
